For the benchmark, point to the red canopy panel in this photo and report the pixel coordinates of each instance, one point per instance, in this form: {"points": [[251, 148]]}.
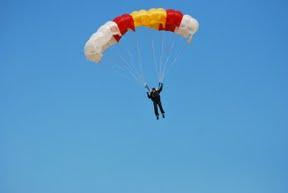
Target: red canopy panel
{"points": [[173, 20], [124, 23]]}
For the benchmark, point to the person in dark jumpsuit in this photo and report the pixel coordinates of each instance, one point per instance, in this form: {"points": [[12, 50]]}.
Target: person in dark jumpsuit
{"points": [[154, 95]]}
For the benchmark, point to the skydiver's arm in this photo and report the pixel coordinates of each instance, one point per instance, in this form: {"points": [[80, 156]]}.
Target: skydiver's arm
{"points": [[160, 86], [148, 95]]}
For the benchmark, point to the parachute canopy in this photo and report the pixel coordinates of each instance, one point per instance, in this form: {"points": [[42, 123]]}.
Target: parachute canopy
{"points": [[156, 18]]}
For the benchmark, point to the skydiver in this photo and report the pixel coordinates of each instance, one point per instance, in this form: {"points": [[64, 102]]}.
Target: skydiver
{"points": [[154, 95]]}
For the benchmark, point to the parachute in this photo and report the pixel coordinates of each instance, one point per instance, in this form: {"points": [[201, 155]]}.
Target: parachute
{"points": [[156, 18]]}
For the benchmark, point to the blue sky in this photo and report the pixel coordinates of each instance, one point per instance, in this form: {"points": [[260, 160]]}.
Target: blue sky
{"points": [[68, 125]]}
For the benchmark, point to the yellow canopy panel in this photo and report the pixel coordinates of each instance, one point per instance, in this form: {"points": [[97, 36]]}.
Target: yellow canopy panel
{"points": [[151, 18]]}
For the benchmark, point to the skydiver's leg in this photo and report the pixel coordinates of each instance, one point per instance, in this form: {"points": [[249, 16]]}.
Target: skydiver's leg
{"points": [[161, 109], [156, 110]]}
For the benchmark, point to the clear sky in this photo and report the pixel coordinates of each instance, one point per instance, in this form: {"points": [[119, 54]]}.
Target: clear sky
{"points": [[70, 126]]}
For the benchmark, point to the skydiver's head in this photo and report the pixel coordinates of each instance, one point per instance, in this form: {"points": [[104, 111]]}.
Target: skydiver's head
{"points": [[153, 89]]}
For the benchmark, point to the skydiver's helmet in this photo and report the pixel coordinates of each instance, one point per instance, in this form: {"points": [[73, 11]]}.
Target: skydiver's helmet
{"points": [[153, 89]]}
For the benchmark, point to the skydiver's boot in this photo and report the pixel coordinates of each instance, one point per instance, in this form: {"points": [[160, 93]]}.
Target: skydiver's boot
{"points": [[157, 117], [163, 115]]}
